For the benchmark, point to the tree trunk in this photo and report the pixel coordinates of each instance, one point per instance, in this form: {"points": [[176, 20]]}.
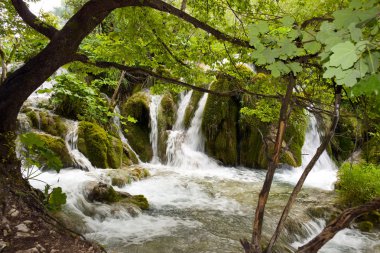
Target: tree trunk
{"points": [[254, 246], [341, 222], [318, 153]]}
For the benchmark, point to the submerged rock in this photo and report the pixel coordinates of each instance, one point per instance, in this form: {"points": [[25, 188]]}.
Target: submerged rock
{"points": [[103, 193]]}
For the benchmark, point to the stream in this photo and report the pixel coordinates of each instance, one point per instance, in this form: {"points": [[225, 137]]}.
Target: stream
{"points": [[197, 205]]}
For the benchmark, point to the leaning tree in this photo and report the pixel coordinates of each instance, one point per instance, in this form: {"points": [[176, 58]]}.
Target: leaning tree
{"points": [[343, 46]]}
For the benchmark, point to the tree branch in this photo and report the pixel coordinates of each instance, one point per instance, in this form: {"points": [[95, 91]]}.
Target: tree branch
{"points": [[144, 72], [341, 222], [309, 167], [29, 18]]}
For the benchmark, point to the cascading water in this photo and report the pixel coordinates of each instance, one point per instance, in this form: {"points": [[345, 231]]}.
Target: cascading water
{"points": [[116, 121], [323, 175], [195, 204], [71, 140], [154, 105]]}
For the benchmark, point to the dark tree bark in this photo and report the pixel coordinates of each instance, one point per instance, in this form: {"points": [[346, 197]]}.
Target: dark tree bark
{"points": [[318, 153], [254, 246]]}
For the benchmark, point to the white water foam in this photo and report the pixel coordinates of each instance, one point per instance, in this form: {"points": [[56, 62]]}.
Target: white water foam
{"points": [[323, 175], [71, 140], [153, 112]]}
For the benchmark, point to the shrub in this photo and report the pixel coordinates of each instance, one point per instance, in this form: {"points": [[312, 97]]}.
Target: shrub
{"points": [[358, 183]]}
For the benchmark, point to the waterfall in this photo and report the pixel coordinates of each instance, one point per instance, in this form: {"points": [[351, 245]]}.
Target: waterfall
{"points": [[185, 148], [153, 112], [71, 140], [116, 121], [323, 175], [184, 102], [194, 138]]}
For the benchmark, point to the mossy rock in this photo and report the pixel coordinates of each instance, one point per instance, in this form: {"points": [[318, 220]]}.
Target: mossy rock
{"points": [[129, 156], [58, 146], [365, 226], [165, 120], [44, 121], [140, 201], [106, 194], [102, 149], [220, 123], [191, 108], [251, 132], [103, 193], [343, 142], [371, 151], [127, 175], [137, 133], [295, 138]]}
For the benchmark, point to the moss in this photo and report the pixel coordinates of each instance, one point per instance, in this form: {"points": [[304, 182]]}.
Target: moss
{"points": [[114, 152], [129, 157], [137, 106], [191, 108], [343, 142], [219, 124], [371, 151], [365, 226], [48, 123], [58, 146], [295, 138], [104, 193], [165, 120], [126, 175], [140, 201], [102, 149]]}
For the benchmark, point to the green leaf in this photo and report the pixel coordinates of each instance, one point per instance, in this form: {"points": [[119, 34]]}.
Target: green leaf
{"points": [[56, 199], [295, 67], [312, 47], [356, 33], [349, 78], [373, 60], [333, 71], [263, 27], [287, 21], [343, 18], [344, 54], [367, 86]]}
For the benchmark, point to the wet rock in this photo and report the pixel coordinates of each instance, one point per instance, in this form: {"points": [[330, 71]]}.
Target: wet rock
{"points": [[103, 193]]}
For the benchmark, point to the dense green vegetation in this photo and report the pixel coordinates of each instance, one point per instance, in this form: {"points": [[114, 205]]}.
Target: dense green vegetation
{"points": [[264, 63]]}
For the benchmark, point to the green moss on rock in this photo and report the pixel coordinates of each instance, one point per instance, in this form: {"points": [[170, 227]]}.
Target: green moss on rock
{"points": [[58, 146], [165, 120], [295, 138], [191, 108], [137, 133], [219, 124], [44, 121], [343, 142], [365, 226], [102, 149]]}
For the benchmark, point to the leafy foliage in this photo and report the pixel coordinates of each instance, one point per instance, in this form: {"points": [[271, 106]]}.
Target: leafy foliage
{"points": [[74, 98], [35, 153], [54, 199], [358, 183]]}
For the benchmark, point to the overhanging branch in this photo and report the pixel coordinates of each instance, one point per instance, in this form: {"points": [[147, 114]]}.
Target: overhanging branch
{"points": [[31, 19], [144, 72]]}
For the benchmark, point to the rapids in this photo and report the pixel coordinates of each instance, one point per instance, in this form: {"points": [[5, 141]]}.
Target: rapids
{"points": [[197, 205]]}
